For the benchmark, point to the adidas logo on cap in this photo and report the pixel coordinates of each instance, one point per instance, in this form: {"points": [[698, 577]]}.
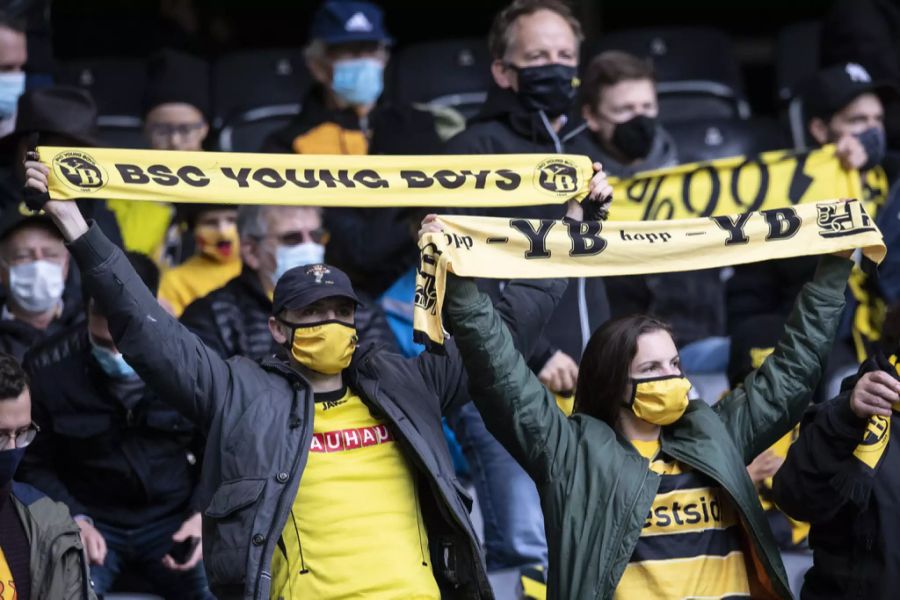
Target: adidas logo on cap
{"points": [[358, 22]]}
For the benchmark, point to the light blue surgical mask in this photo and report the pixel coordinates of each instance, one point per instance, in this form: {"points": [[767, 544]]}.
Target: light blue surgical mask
{"points": [[12, 85], [358, 81], [112, 363], [288, 257]]}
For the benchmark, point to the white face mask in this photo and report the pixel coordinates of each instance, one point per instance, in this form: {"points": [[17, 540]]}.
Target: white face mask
{"points": [[288, 257], [37, 286]]}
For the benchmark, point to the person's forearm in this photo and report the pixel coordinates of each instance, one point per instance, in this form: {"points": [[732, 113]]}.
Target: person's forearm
{"points": [[71, 225]]}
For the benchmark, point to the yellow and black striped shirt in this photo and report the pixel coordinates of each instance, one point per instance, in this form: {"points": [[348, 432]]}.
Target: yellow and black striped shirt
{"points": [[690, 546]]}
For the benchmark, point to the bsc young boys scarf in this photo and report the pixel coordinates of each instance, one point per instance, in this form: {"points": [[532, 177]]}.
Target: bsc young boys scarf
{"points": [[721, 187], [537, 249]]}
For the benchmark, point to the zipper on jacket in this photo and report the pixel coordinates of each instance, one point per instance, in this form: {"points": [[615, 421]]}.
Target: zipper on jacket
{"points": [[418, 516], [302, 454], [557, 145], [441, 502]]}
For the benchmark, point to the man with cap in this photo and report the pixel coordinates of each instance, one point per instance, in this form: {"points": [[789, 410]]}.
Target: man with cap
{"points": [[176, 105], [34, 267], [344, 113], [233, 319], [328, 472], [124, 462], [844, 106]]}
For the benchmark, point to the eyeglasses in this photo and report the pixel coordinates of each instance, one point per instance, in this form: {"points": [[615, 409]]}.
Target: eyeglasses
{"points": [[21, 438], [293, 238], [171, 129]]}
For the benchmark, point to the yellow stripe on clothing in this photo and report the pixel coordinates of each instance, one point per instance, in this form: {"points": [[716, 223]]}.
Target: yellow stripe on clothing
{"points": [[698, 577]]}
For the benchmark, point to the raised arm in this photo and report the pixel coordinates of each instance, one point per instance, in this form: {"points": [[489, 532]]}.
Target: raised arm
{"points": [[516, 407], [190, 376], [772, 398]]}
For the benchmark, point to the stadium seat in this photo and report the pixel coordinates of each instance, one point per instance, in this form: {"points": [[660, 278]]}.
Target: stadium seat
{"points": [[117, 86], [253, 91], [247, 131], [796, 59], [697, 73], [449, 74], [708, 139]]}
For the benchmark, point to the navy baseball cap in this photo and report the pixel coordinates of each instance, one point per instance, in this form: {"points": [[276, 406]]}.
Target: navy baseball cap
{"points": [[343, 22], [301, 286], [833, 88]]}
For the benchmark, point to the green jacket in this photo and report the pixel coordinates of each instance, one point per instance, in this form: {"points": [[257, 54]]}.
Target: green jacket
{"points": [[596, 490], [59, 568]]}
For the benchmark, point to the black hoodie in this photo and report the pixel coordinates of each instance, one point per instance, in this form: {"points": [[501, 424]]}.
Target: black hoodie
{"points": [[504, 126]]}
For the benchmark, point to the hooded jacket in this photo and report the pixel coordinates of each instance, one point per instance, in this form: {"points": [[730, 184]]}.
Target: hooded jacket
{"points": [[504, 126]]}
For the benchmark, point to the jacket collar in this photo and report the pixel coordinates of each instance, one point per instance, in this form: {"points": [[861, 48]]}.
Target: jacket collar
{"points": [[249, 283], [504, 105]]}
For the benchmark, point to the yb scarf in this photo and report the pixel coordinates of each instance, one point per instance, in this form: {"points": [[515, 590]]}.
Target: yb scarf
{"points": [[325, 347], [222, 246], [660, 400], [878, 430], [536, 249]]}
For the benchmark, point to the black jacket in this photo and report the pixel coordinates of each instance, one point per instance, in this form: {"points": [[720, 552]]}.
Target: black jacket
{"points": [[504, 127], [258, 420], [372, 245], [853, 515], [765, 288], [233, 320], [17, 337], [118, 455]]}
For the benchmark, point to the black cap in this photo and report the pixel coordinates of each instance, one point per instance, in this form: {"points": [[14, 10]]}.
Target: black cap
{"points": [[60, 110], [835, 87], [177, 77], [17, 216], [301, 286]]}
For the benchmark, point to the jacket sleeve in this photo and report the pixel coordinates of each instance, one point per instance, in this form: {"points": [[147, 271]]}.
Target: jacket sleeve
{"points": [[524, 306], [193, 378], [772, 398], [39, 467], [517, 409], [804, 485]]}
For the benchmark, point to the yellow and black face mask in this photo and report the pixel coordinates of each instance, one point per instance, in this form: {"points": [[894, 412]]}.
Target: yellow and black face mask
{"points": [[221, 245], [324, 347], [660, 400]]}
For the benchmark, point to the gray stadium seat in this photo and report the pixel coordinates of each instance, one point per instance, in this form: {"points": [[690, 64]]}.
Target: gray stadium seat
{"points": [[796, 59], [697, 73], [708, 139], [255, 91], [117, 86], [449, 74]]}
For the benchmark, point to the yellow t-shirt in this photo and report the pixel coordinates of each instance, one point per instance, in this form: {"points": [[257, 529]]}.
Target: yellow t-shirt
{"points": [[195, 278], [143, 225], [7, 585], [690, 545], [356, 527]]}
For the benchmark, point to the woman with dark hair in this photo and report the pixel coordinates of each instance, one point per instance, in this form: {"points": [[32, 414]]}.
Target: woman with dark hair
{"points": [[645, 493]]}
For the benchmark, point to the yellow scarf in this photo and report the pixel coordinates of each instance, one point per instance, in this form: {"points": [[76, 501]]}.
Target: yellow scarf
{"points": [[536, 249], [722, 187]]}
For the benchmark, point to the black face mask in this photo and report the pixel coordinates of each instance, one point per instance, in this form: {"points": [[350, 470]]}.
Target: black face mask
{"points": [[550, 88], [634, 137], [875, 143]]}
